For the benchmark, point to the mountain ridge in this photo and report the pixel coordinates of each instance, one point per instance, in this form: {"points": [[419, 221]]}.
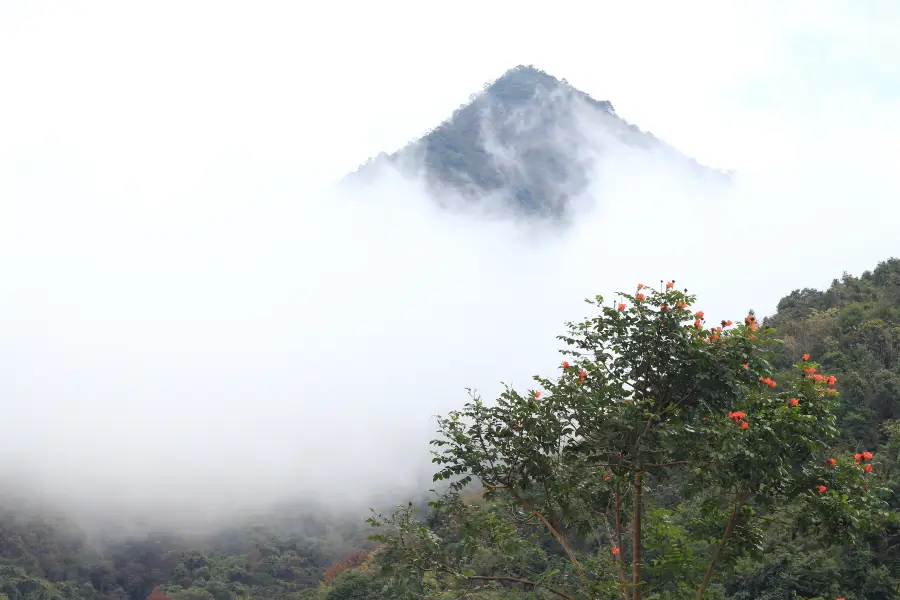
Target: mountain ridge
{"points": [[523, 136]]}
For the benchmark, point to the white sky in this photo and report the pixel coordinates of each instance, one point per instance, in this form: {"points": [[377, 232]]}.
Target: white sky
{"points": [[161, 175]]}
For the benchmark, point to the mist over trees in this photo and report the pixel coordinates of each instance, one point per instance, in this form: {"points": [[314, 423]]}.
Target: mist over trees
{"points": [[769, 469]]}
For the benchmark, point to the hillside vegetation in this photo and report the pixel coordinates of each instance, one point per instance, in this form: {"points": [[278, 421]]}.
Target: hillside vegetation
{"points": [[787, 540]]}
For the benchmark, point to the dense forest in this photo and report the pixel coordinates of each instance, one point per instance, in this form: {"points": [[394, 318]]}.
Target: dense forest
{"points": [[839, 540]]}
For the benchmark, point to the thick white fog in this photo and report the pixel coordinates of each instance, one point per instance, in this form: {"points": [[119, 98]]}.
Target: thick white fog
{"points": [[191, 322]]}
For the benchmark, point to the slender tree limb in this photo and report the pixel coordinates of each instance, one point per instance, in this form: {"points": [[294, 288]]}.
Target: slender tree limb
{"points": [[521, 580], [636, 539], [729, 529], [622, 580]]}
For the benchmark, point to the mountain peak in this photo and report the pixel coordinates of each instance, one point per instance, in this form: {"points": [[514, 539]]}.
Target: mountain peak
{"points": [[528, 139], [520, 84]]}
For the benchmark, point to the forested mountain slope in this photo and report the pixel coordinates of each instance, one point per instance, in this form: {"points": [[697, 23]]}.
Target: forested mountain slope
{"points": [[851, 330], [529, 140]]}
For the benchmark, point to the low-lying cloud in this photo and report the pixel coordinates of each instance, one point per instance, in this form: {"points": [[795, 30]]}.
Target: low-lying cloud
{"points": [[236, 340]]}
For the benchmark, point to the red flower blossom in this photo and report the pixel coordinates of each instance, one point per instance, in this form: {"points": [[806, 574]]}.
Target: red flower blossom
{"points": [[565, 364], [794, 402], [754, 327], [746, 366], [640, 286], [737, 416], [809, 370], [582, 375], [537, 394], [729, 323], [832, 380], [818, 376], [745, 425], [664, 307], [868, 468], [831, 462], [768, 381], [822, 489], [857, 457], [699, 314], [715, 336], [621, 307], [670, 285], [751, 336], [697, 323], [639, 297], [806, 357], [615, 551], [867, 455]]}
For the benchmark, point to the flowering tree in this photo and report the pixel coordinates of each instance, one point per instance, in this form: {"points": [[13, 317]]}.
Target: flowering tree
{"points": [[654, 456]]}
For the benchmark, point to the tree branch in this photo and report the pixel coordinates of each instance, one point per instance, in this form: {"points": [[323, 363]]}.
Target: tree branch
{"points": [[521, 580], [729, 529]]}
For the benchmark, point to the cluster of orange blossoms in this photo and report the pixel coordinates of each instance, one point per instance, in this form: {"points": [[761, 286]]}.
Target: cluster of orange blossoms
{"points": [[581, 375], [738, 417], [858, 458], [768, 381]]}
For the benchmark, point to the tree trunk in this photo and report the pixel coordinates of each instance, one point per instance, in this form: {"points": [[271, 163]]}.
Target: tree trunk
{"points": [[636, 540]]}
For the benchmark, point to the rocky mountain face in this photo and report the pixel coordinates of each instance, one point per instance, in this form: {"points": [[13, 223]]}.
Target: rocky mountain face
{"points": [[529, 141]]}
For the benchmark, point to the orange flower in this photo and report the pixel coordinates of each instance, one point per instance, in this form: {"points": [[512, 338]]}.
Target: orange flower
{"points": [[715, 336], [639, 297], [518, 425], [868, 468], [809, 370], [746, 366], [664, 307], [745, 425], [867, 455], [754, 327], [751, 336], [621, 307], [831, 462], [670, 285], [806, 357], [857, 457], [729, 323], [832, 380], [697, 323], [699, 314], [794, 402], [615, 551], [640, 286], [768, 381], [537, 394], [582, 375], [818, 377], [565, 364], [822, 489]]}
